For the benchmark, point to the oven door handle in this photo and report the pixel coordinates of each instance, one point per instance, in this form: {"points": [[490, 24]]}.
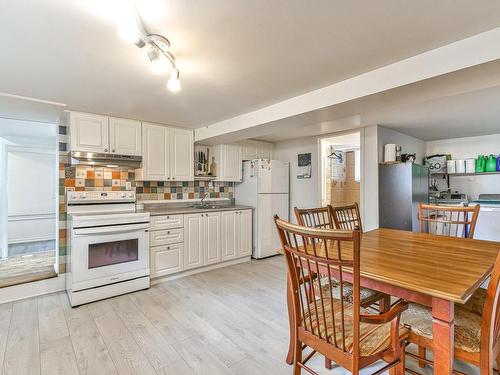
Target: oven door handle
{"points": [[111, 229]]}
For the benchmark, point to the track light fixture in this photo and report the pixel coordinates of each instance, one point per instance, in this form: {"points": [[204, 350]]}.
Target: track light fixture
{"points": [[157, 48]]}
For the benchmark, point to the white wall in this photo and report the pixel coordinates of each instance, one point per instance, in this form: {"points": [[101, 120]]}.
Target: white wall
{"points": [[409, 145], [303, 192], [369, 177], [469, 147]]}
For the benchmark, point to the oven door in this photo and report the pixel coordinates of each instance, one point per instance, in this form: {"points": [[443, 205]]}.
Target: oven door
{"points": [[109, 254]]}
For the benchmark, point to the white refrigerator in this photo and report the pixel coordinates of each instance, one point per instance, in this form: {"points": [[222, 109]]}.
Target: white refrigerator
{"points": [[265, 187]]}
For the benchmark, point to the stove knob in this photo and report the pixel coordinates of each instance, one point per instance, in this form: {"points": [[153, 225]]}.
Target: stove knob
{"points": [[123, 195], [130, 195], [83, 195], [74, 196]]}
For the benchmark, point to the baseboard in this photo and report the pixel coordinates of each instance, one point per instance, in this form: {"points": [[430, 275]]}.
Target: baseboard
{"points": [[33, 289], [194, 271]]}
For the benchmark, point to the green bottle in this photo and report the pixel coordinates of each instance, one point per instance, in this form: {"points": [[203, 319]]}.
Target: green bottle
{"points": [[491, 164], [480, 164]]}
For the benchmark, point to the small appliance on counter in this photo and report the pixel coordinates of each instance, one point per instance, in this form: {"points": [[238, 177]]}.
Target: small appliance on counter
{"points": [[108, 249], [488, 220], [446, 198]]}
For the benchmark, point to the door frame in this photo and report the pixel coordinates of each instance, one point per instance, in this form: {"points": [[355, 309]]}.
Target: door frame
{"points": [[320, 166]]}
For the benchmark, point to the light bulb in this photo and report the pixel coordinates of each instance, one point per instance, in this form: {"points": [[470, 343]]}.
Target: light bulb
{"points": [[129, 30], [174, 84], [159, 63]]}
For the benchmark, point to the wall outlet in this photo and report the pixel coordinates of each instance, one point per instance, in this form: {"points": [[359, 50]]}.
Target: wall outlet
{"points": [[128, 185], [210, 184]]}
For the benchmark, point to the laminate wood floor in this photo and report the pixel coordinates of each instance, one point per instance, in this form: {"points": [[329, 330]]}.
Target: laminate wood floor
{"points": [[228, 321]]}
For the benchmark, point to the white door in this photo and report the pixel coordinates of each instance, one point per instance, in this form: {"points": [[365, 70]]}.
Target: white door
{"points": [[89, 132], [212, 238], [193, 241], [124, 136], [273, 176], [230, 235], [155, 146], [231, 163], [245, 228], [268, 205], [181, 155]]}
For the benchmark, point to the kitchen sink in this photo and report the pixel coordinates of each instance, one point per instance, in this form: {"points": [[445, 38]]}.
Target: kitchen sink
{"points": [[206, 206]]}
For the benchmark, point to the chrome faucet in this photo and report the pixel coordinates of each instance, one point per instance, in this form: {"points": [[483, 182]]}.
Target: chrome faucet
{"points": [[202, 199]]}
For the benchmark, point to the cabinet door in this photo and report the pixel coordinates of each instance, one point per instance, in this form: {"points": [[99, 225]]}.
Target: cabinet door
{"points": [[249, 150], [89, 132], [155, 147], [166, 260], [212, 238], [181, 155], [230, 235], [231, 163], [265, 150], [193, 241], [124, 136], [245, 235]]}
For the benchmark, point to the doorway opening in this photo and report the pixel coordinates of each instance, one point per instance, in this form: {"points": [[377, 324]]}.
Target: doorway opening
{"points": [[28, 214], [340, 169]]}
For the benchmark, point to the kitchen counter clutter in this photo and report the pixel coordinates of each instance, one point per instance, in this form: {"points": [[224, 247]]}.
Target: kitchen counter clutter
{"points": [[185, 239]]}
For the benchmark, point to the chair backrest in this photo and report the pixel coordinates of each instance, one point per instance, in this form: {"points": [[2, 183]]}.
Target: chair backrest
{"points": [[451, 221], [319, 217], [346, 217], [328, 251], [490, 328]]}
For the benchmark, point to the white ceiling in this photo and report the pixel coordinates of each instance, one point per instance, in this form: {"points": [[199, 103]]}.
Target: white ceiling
{"points": [[235, 55]]}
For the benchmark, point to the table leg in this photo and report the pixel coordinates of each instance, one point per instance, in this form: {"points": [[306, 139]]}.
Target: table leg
{"points": [[289, 299], [443, 332]]}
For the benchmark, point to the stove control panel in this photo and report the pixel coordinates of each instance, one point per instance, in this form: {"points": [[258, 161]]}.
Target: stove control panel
{"points": [[100, 196]]}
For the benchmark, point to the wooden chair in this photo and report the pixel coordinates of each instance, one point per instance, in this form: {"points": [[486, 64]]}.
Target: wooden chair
{"points": [[346, 217], [449, 221], [477, 327], [321, 217], [339, 330]]}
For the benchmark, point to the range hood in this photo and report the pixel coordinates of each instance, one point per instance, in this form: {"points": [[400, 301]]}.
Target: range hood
{"points": [[104, 159]]}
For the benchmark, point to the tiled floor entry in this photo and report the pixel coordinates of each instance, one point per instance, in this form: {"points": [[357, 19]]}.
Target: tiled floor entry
{"points": [[228, 321]]}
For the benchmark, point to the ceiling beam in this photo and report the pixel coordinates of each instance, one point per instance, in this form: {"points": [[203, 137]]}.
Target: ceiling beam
{"points": [[465, 53]]}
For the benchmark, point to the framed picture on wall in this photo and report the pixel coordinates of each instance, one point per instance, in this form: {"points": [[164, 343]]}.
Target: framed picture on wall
{"points": [[304, 164]]}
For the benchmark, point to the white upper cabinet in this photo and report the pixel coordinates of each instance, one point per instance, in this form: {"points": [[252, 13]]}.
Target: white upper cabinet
{"points": [[228, 161], [124, 136], [251, 149], [167, 154], [89, 132], [181, 155], [155, 155]]}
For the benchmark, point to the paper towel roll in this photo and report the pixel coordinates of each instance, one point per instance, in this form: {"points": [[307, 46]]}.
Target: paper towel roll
{"points": [[470, 165], [451, 166], [460, 166], [390, 152]]}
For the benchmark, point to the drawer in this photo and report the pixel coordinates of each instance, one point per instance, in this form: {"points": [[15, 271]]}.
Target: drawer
{"points": [[166, 260], [166, 222], [166, 237]]}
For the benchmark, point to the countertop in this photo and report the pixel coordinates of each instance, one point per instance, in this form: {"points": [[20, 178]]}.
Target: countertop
{"points": [[190, 210]]}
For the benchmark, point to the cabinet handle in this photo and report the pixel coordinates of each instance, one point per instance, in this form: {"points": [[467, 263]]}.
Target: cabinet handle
{"points": [[168, 247], [168, 232], [173, 178], [113, 150], [168, 217], [105, 150]]}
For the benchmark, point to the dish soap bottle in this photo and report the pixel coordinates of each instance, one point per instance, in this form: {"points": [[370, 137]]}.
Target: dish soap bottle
{"points": [[491, 164], [480, 164]]}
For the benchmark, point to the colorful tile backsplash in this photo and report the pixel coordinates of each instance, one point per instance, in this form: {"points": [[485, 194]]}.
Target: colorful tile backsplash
{"points": [[87, 178]]}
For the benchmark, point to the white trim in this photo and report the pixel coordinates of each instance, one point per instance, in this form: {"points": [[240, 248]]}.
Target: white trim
{"points": [[32, 99], [465, 53], [33, 289], [178, 275]]}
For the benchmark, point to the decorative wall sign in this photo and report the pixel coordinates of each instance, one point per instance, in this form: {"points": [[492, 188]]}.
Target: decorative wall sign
{"points": [[304, 164]]}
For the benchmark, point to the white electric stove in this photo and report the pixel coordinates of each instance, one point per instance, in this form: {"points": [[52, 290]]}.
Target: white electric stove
{"points": [[108, 249]]}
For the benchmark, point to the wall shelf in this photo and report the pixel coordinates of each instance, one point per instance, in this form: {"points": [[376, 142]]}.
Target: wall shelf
{"points": [[464, 174]]}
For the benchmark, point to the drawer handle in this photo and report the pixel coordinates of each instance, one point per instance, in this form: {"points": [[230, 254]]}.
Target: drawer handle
{"points": [[168, 232], [168, 247], [168, 217]]}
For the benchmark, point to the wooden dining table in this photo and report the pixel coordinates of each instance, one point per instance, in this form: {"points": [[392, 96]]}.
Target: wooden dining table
{"points": [[431, 270]]}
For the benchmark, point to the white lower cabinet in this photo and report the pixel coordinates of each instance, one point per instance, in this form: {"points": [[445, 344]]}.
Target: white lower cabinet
{"points": [[166, 259], [184, 242], [236, 234]]}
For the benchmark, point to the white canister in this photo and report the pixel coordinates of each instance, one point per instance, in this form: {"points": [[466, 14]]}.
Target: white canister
{"points": [[450, 167], [470, 165], [460, 166], [390, 152]]}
